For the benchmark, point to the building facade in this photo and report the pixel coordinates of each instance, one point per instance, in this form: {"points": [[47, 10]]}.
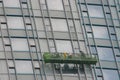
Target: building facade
{"points": [[28, 28]]}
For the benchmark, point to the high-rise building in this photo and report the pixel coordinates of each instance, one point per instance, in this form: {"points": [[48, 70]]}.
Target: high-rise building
{"points": [[29, 28]]}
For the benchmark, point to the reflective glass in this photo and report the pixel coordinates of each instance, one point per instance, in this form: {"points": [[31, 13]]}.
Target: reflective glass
{"points": [[55, 4], [64, 46], [59, 25], [105, 53], [19, 44], [110, 75], [95, 11], [15, 22], [118, 33], [11, 3], [100, 32], [23, 67]]}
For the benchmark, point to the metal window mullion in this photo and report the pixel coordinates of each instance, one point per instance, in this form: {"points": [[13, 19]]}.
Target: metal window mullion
{"points": [[83, 29], [94, 43], [51, 27], [33, 38], [118, 19], [116, 39], [37, 39], [69, 31], [54, 41], [86, 35], [73, 20], [38, 36], [110, 35], [6, 60], [9, 40], [23, 16], [76, 37], [43, 19], [88, 41]]}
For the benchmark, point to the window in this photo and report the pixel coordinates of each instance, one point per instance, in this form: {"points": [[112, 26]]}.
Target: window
{"points": [[19, 44], [93, 50], [105, 53], [2, 55], [1, 45], [89, 34], [100, 32], [39, 24], [59, 25], [63, 46], [15, 22], [110, 75], [3, 67], [95, 11], [44, 45], [55, 4], [118, 33], [23, 67], [11, 3], [35, 4]]}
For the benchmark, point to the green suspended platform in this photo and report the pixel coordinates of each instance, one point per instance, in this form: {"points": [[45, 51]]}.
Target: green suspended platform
{"points": [[69, 58]]}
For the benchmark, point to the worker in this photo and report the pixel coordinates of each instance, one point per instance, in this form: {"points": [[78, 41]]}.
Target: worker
{"points": [[65, 55]]}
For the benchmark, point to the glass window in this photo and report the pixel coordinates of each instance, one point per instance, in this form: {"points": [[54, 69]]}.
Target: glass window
{"points": [[118, 33], [4, 77], [11, 3], [2, 55], [111, 2], [98, 72], [35, 4], [1, 45], [23, 67], [110, 75], [3, 67], [44, 45], [93, 50], [95, 11], [105, 53], [19, 44], [59, 25], [100, 32], [10, 63], [15, 22], [89, 35], [39, 24], [55, 4], [64, 46]]}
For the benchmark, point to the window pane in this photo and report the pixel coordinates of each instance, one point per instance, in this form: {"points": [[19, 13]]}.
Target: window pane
{"points": [[11, 3], [59, 25], [15, 22], [23, 67], [64, 46], [95, 11], [118, 33], [100, 32], [110, 75], [44, 45], [93, 50], [55, 4], [35, 4], [3, 67], [105, 53], [19, 44]]}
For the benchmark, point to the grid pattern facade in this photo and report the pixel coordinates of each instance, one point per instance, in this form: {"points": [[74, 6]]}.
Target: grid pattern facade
{"points": [[28, 28]]}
